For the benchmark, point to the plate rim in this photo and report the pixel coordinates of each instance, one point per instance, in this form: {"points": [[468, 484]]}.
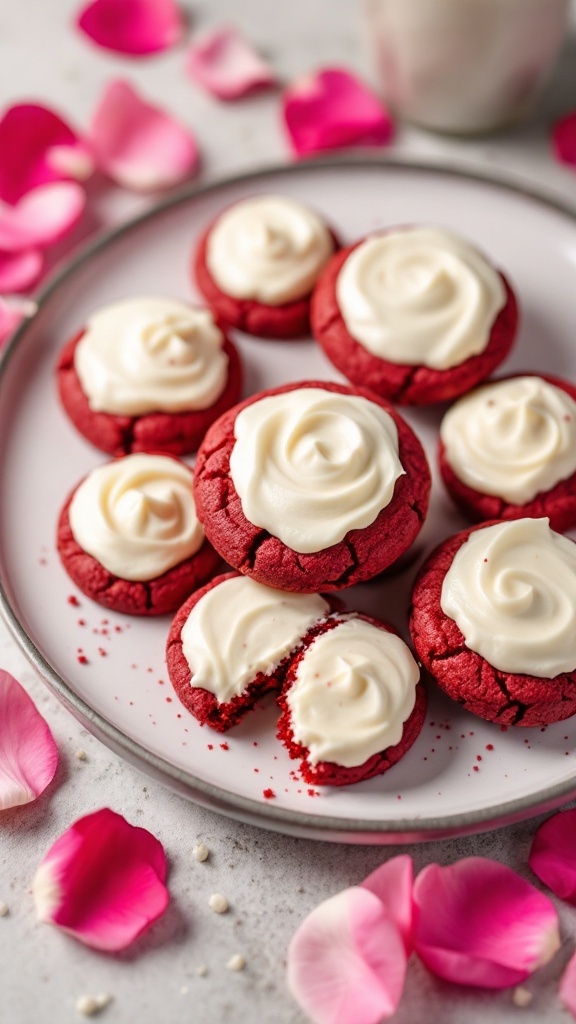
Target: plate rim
{"points": [[290, 822]]}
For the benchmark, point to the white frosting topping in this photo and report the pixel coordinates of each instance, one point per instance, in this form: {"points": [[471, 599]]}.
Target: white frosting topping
{"points": [[310, 465], [241, 628], [419, 296], [513, 439], [151, 355], [136, 516], [268, 248], [354, 688], [511, 589]]}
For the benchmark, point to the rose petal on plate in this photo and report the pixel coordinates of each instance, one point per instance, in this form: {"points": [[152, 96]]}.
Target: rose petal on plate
{"points": [[102, 881], [138, 145], [225, 64], [74, 162], [564, 139], [479, 923], [29, 135], [137, 27], [20, 270], [347, 962], [331, 108], [42, 217], [567, 987], [393, 883], [553, 855], [28, 753]]}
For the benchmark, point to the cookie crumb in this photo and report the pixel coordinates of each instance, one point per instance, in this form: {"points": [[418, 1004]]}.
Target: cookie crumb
{"points": [[81, 755], [236, 962], [3, 909], [202, 971], [522, 996], [200, 852], [90, 1005], [218, 903]]}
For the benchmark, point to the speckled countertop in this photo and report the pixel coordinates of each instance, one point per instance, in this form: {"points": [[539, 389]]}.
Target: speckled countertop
{"points": [[271, 881]]}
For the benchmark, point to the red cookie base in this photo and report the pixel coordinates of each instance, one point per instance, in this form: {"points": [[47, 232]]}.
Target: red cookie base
{"points": [[361, 555], [398, 382], [558, 504], [327, 773], [502, 697], [174, 433]]}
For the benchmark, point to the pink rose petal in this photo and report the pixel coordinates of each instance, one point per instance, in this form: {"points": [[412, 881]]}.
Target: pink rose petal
{"points": [[567, 988], [225, 64], [28, 753], [102, 881], [30, 134], [553, 855], [20, 270], [137, 27], [393, 883], [478, 923], [564, 139], [138, 145], [331, 109], [42, 217], [347, 962]]}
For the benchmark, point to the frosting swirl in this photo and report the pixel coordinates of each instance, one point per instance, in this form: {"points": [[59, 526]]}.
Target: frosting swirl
{"points": [[310, 465], [269, 248], [151, 355], [419, 296], [241, 628], [511, 590], [512, 439], [136, 516], [354, 688]]}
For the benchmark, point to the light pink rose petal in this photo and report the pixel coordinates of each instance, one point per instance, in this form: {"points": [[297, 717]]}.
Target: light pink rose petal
{"points": [[137, 27], [553, 854], [20, 270], [28, 753], [564, 139], [225, 64], [567, 987], [479, 923], [102, 881], [331, 109], [29, 136], [347, 962], [42, 217], [393, 883], [138, 145]]}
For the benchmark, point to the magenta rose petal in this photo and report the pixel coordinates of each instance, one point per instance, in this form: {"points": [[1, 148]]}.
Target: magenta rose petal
{"points": [[567, 987], [330, 109], [553, 855], [30, 137], [138, 145], [479, 923], [347, 962], [102, 881], [28, 753], [136, 27], [42, 217], [564, 139], [20, 270], [224, 63], [393, 883]]}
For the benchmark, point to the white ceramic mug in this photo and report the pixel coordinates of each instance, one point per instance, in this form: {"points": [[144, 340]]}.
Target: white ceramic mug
{"points": [[464, 66]]}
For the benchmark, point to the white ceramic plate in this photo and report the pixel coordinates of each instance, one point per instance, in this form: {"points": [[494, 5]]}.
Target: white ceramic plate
{"points": [[462, 774]]}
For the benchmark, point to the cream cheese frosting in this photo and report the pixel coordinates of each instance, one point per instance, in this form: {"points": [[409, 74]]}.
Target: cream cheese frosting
{"points": [[151, 354], [354, 689], [309, 465], [136, 516], [419, 296], [269, 248], [241, 628], [511, 590], [514, 439]]}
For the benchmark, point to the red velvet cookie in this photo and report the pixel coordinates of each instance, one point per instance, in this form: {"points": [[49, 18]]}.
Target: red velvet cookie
{"points": [[329, 773], [557, 503], [158, 595], [201, 702], [507, 698], [360, 555], [400, 382]]}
